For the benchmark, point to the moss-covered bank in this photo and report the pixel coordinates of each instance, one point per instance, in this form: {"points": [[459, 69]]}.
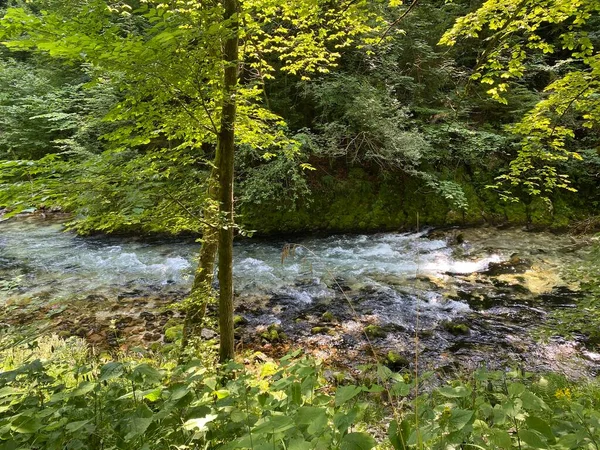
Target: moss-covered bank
{"points": [[358, 202]]}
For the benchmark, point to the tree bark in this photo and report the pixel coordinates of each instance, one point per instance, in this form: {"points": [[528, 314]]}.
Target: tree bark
{"points": [[226, 151]]}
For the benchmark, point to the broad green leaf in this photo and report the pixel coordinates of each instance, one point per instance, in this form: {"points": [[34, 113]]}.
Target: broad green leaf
{"points": [[138, 423], [7, 391], [274, 424], [537, 424], [344, 420], [221, 393], [399, 434], [459, 418], [26, 425], [346, 393], [533, 439], [299, 444], [147, 372], [314, 417], [199, 424], [358, 441], [111, 370], [532, 401], [454, 392], [501, 439], [84, 388], [153, 395], [74, 426], [516, 389]]}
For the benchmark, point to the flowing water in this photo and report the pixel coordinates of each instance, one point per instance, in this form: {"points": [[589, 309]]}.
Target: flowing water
{"points": [[404, 284]]}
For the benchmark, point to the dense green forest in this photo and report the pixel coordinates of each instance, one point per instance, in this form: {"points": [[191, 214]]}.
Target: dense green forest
{"points": [[156, 122]]}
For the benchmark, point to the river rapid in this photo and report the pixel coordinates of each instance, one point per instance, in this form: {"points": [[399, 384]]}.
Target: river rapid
{"points": [[458, 298]]}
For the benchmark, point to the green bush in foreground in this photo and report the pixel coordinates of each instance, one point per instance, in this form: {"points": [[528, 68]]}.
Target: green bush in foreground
{"points": [[53, 395]]}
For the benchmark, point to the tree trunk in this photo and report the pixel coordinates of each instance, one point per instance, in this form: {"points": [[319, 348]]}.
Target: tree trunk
{"points": [[225, 150], [201, 292]]}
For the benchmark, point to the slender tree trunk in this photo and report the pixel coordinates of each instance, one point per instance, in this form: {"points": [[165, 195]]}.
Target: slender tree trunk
{"points": [[201, 291], [226, 150]]}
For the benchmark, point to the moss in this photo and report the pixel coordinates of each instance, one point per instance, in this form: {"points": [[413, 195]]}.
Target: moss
{"points": [[322, 330], [239, 321], [273, 334], [174, 333], [172, 322], [328, 317], [156, 346], [456, 328], [374, 331], [361, 202], [396, 361]]}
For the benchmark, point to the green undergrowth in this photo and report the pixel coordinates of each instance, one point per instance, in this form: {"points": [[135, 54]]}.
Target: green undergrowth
{"points": [[55, 394]]}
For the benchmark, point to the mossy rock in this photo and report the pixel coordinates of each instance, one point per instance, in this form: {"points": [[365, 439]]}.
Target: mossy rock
{"points": [[173, 334], [396, 361], [172, 322], [322, 330], [456, 329], [273, 334], [328, 317], [375, 331], [238, 321]]}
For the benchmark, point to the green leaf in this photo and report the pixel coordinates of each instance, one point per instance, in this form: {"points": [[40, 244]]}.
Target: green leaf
{"points": [[342, 420], [139, 423], [26, 425], [346, 393], [74, 426], [459, 418], [500, 439], [275, 424], [314, 417], [147, 372], [199, 424], [454, 392], [153, 395], [8, 391], [516, 389], [532, 401], [541, 426], [111, 370], [299, 444], [357, 441], [83, 388], [533, 439], [399, 435]]}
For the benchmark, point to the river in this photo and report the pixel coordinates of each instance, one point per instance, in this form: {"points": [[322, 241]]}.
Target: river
{"points": [[460, 298]]}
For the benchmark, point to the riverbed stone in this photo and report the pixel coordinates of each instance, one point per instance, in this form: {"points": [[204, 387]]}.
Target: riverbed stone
{"points": [[208, 334], [147, 316]]}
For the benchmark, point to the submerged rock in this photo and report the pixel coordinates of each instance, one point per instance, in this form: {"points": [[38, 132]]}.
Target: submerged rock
{"points": [[514, 265]]}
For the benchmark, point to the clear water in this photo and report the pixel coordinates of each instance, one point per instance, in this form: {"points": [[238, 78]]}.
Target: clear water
{"points": [[401, 281], [44, 258]]}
